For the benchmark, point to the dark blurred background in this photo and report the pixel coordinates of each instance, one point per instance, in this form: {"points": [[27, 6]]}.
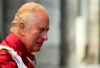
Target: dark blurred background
{"points": [[74, 32]]}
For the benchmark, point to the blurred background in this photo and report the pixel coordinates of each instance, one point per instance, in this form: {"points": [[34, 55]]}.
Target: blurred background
{"points": [[74, 32]]}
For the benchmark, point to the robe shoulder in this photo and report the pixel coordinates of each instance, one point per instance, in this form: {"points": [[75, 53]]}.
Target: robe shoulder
{"points": [[6, 60]]}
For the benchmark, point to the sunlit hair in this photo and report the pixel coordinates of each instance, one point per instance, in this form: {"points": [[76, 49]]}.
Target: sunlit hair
{"points": [[25, 13]]}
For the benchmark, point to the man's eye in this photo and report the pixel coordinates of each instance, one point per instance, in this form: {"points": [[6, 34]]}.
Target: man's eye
{"points": [[41, 30], [47, 30]]}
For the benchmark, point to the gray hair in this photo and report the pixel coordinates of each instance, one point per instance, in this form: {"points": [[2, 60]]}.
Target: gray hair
{"points": [[25, 13]]}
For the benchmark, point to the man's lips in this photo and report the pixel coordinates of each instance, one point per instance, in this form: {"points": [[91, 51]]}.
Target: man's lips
{"points": [[40, 42]]}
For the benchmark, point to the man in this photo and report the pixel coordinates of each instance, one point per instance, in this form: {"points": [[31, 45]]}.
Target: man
{"points": [[28, 32]]}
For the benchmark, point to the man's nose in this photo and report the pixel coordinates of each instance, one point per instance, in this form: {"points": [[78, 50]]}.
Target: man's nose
{"points": [[44, 35]]}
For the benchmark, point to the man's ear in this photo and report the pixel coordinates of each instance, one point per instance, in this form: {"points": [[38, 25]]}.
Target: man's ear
{"points": [[21, 28]]}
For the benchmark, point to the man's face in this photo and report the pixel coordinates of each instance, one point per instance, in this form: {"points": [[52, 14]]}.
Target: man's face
{"points": [[37, 34]]}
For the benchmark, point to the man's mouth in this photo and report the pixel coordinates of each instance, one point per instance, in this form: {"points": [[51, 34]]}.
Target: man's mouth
{"points": [[39, 42]]}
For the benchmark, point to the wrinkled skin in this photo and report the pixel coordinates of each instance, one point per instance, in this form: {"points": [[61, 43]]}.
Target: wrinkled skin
{"points": [[34, 38]]}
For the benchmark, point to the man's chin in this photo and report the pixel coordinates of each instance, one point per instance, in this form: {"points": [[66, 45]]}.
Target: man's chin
{"points": [[35, 50]]}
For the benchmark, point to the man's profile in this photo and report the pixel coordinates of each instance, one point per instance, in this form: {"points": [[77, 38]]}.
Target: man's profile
{"points": [[28, 32]]}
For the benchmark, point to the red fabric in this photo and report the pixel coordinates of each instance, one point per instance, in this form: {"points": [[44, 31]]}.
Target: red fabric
{"points": [[6, 60]]}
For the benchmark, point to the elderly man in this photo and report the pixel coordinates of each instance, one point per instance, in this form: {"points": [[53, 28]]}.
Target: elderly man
{"points": [[28, 32]]}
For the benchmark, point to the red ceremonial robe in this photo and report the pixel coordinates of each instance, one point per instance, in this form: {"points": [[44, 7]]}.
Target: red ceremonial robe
{"points": [[6, 60]]}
